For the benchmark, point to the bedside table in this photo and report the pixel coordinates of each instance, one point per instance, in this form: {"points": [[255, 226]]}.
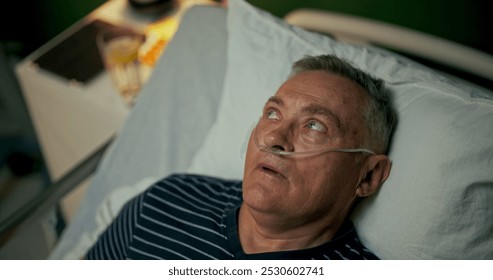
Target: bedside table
{"points": [[73, 118]]}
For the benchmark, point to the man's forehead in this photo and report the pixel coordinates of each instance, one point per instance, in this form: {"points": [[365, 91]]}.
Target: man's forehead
{"points": [[327, 89], [318, 82]]}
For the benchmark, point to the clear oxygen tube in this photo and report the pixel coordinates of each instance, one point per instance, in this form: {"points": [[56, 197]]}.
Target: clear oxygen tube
{"points": [[279, 152]]}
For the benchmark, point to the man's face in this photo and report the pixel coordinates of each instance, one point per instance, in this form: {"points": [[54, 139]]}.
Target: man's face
{"points": [[313, 110]]}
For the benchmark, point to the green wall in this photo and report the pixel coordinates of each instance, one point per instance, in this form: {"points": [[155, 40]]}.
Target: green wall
{"points": [[463, 21], [26, 25]]}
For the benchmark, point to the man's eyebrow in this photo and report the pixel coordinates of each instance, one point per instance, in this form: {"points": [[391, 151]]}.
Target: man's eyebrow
{"points": [[277, 100], [315, 109]]}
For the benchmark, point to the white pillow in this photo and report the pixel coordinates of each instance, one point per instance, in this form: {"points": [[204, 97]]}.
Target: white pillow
{"points": [[437, 203]]}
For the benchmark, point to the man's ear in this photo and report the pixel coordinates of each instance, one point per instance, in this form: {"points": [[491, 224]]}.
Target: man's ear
{"points": [[375, 171]]}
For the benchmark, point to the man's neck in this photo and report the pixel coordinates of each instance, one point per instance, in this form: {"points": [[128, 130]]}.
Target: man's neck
{"points": [[271, 235]]}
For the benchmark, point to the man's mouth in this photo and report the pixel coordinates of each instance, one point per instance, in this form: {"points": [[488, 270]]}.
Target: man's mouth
{"points": [[269, 169]]}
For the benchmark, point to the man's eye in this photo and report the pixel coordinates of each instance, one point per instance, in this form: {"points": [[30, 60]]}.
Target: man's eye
{"points": [[315, 125], [272, 114]]}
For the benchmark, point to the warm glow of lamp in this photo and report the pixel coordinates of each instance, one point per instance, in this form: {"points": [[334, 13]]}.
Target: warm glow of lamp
{"points": [[157, 36]]}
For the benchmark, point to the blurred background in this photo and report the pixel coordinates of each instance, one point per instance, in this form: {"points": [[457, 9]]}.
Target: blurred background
{"points": [[27, 25]]}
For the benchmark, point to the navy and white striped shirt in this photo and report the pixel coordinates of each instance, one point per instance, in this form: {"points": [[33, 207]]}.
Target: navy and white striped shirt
{"points": [[195, 217]]}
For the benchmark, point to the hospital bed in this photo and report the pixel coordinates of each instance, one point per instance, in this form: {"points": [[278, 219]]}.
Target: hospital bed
{"points": [[208, 88]]}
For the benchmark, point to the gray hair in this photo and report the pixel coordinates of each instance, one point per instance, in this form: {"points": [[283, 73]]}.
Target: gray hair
{"points": [[379, 115]]}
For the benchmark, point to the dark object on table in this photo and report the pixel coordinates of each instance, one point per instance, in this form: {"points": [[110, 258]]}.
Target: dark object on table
{"points": [[152, 6], [76, 57]]}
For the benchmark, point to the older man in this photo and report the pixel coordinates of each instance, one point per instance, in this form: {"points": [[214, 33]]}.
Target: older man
{"points": [[319, 146]]}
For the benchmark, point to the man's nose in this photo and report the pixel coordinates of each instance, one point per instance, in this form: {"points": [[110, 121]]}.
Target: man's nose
{"points": [[279, 138]]}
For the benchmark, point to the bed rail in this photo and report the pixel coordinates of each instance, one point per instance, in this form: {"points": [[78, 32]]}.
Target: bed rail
{"points": [[361, 30], [51, 195]]}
